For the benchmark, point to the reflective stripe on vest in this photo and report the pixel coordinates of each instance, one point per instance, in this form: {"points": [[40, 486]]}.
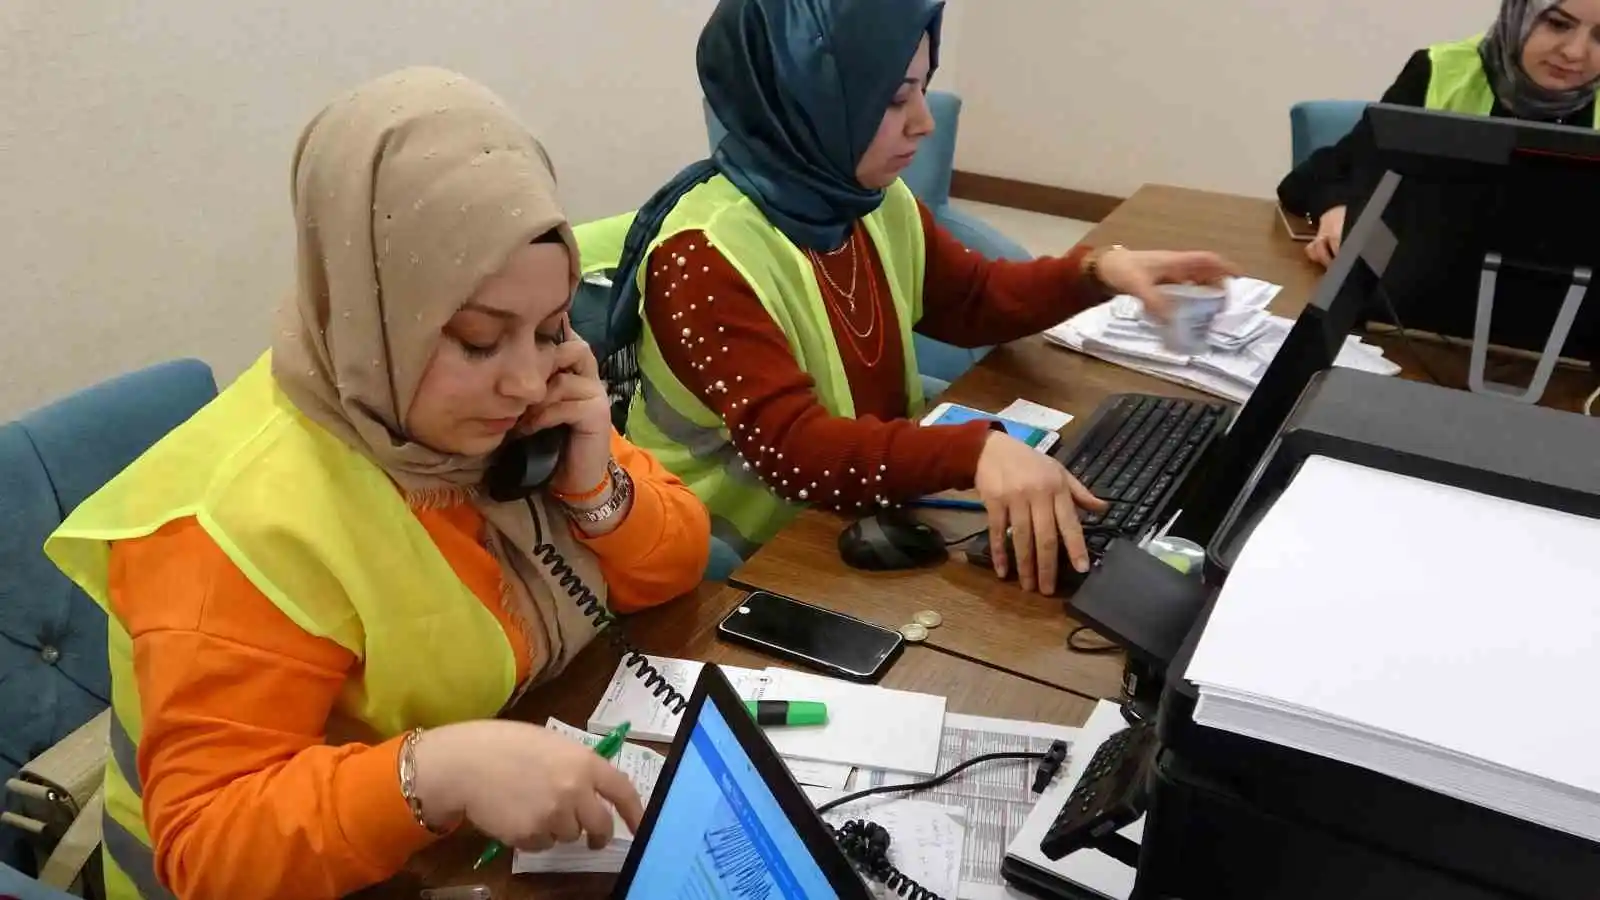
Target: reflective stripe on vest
{"points": [[275, 492], [1459, 84], [686, 435]]}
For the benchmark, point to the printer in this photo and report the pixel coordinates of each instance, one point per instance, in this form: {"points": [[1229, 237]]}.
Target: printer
{"points": [[1233, 817]]}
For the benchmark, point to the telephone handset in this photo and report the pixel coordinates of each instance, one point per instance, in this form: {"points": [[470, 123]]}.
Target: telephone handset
{"points": [[525, 463], [522, 466]]}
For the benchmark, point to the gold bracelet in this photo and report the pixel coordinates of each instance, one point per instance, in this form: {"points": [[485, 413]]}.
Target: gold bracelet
{"points": [[408, 780]]}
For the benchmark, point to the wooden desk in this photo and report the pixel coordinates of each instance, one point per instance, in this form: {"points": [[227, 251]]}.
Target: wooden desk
{"points": [[687, 629], [998, 623]]}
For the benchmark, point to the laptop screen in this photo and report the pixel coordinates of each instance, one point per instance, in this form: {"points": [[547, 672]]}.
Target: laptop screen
{"points": [[720, 817]]}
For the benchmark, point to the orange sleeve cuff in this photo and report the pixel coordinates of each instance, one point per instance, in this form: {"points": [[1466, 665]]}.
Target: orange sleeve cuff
{"points": [[373, 814], [659, 551]]}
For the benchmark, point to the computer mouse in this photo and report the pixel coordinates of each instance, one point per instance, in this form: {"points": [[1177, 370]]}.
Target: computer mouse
{"points": [[891, 540], [1068, 579]]}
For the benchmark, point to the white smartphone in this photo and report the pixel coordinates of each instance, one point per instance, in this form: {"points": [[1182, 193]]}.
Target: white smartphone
{"points": [[956, 414]]}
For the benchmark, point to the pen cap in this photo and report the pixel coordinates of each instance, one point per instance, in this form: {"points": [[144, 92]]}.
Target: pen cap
{"points": [[807, 712]]}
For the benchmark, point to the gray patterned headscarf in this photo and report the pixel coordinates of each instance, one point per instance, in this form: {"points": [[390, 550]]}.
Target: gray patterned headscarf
{"points": [[1501, 51]]}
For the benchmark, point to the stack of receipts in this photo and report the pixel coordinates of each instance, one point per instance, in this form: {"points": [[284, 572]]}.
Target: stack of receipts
{"points": [[1243, 339], [643, 767], [1361, 623], [867, 726]]}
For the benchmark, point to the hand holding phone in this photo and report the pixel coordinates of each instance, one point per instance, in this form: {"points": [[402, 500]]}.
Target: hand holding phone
{"points": [[576, 397]]}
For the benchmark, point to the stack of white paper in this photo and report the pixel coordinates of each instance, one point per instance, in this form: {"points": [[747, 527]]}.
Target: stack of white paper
{"points": [[643, 767], [867, 726], [1242, 342], [1438, 636]]}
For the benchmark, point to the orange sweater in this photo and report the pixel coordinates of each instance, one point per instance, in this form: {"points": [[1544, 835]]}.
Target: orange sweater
{"points": [[242, 796]]}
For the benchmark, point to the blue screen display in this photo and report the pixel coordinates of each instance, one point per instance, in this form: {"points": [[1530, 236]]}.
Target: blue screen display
{"points": [[961, 415], [721, 833]]}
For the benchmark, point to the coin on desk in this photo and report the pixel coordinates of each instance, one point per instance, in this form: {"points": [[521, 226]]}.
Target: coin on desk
{"points": [[913, 632], [928, 619]]}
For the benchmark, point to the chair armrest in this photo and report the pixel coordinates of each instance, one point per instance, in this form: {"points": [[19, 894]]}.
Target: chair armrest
{"points": [[77, 847], [57, 800]]}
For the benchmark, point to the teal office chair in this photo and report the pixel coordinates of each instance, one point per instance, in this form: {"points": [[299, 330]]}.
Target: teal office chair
{"points": [[54, 675], [1314, 124]]}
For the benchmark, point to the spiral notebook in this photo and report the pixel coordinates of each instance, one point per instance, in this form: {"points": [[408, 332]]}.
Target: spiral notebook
{"points": [[867, 726]]}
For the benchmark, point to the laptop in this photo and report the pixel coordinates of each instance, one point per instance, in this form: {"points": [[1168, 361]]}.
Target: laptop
{"points": [[727, 820]]}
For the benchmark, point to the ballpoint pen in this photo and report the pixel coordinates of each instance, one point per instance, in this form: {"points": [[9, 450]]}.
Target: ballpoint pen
{"points": [[608, 748], [947, 503]]}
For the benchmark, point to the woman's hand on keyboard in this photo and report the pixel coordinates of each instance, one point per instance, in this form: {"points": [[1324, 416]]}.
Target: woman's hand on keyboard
{"points": [[1037, 499]]}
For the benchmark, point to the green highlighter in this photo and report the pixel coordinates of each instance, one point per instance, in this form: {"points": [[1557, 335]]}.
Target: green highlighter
{"points": [[608, 748], [788, 713]]}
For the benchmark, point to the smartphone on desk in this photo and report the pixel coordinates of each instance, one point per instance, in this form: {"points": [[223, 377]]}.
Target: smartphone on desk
{"points": [[956, 414], [832, 643]]}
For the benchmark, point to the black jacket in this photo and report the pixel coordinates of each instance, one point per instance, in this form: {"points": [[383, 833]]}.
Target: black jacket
{"points": [[1341, 175]]}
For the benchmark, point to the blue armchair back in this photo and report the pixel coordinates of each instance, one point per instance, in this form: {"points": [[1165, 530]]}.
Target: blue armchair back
{"points": [[53, 670], [1314, 124]]}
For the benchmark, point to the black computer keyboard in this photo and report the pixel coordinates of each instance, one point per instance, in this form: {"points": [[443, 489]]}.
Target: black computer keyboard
{"points": [[1137, 450], [1135, 454]]}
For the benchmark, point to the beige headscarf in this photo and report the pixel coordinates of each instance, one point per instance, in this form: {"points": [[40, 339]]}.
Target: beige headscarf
{"points": [[408, 192]]}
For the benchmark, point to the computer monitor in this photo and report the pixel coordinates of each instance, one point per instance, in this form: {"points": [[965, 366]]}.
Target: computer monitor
{"points": [[727, 820], [1428, 215], [1474, 187]]}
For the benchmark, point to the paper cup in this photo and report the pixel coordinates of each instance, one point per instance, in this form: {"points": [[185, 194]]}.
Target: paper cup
{"points": [[1194, 306]]}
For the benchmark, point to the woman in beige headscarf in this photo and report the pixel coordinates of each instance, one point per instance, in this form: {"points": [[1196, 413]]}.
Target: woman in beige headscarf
{"points": [[315, 613]]}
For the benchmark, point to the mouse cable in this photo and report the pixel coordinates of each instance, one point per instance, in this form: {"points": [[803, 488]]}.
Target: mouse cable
{"points": [[605, 621], [1105, 647], [1588, 405]]}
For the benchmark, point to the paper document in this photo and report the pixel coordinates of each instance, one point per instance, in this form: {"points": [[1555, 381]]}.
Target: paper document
{"points": [[643, 767], [925, 839], [1088, 868], [867, 726], [996, 796], [811, 773], [1367, 621], [1029, 413], [628, 700], [1243, 340]]}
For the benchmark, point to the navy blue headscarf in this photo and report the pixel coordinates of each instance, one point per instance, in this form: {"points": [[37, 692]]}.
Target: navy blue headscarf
{"points": [[802, 87]]}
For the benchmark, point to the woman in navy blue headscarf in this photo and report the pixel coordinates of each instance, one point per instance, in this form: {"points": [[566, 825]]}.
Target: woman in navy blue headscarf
{"points": [[782, 280]]}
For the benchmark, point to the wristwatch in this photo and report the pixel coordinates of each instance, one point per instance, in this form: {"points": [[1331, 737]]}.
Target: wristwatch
{"points": [[621, 493], [1091, 266]]}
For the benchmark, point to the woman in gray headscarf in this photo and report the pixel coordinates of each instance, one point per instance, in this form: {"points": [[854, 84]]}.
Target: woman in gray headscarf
{"points": [[1540, 61]]}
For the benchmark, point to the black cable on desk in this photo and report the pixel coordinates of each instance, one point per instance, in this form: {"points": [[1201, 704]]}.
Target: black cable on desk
{"points": [[930, 783]]}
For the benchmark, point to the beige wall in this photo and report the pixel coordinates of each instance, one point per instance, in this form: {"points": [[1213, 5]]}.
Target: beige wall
{"points": [[1105, 96], [144, 150]]}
